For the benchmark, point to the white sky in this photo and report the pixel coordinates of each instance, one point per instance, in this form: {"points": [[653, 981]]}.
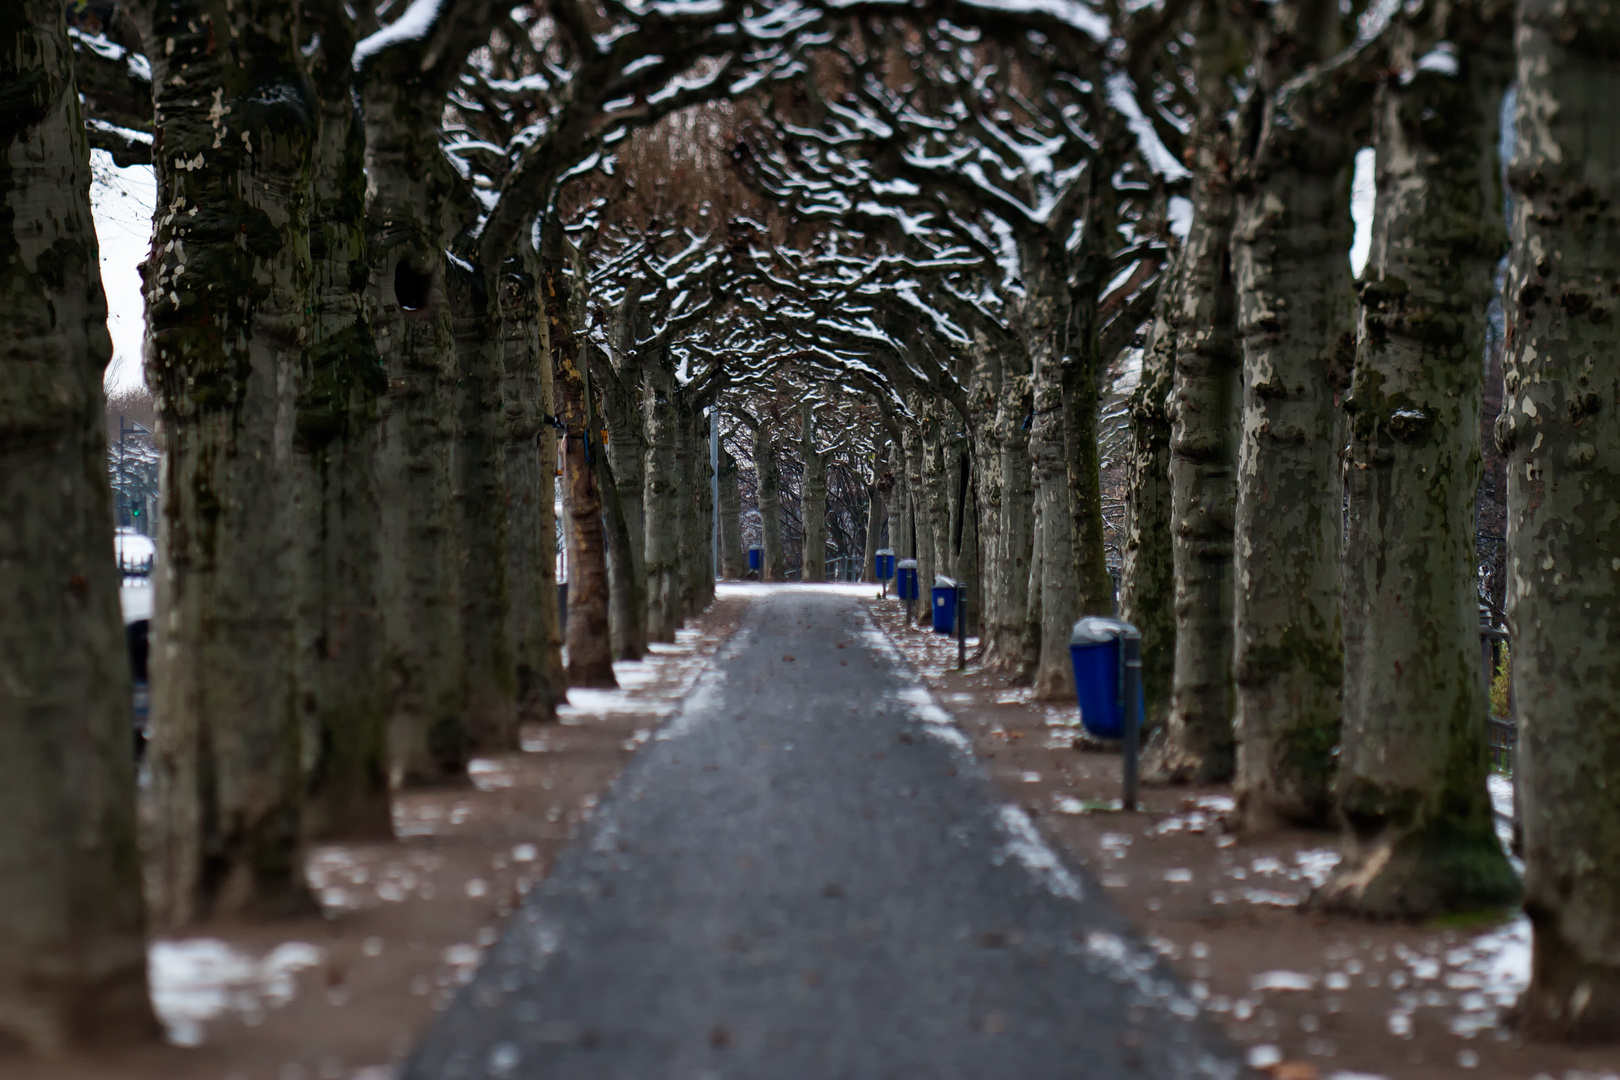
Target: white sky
{"points": [[122, 202]]}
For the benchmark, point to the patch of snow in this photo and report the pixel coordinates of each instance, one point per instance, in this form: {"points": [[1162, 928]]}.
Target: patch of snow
{"points": [[1363, 193], [197, 980], [1180, 874], [1281, 981], [1442, 60], [1317, 864], [1025, 845], [414, 24], [1264, 1056], [1180, 215]]}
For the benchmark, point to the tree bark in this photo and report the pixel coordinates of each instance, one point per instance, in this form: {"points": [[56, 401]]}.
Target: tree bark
{"points": [[341, 690], [72, 925], [227, 303], [1412, 769], [1148, 583], [1560, 428], [1290, 237]]}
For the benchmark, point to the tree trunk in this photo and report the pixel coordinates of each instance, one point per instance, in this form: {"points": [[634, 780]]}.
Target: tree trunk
{"points": [[590, 649], [768, 485], [530, 545], [1412, 768], [1005, 651], [1291, 234], [341, 689], [1081, 374], [876, 515], [697, 540], [1148, 583], [227, 303], [1197, 744], [409, 308], [815, 505], [625, 522], [72, 925], [480, 501], [661, 503], [922, 517], [552, 679], [1561, 431], [733, 560], [1053, 677]]}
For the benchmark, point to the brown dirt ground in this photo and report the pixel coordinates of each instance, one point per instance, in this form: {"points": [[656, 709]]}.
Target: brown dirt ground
{"points": [[406, 922], [1168, 865]]}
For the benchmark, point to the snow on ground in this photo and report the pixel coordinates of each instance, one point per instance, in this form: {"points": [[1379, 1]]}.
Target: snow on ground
{"points": [[198, 979]]}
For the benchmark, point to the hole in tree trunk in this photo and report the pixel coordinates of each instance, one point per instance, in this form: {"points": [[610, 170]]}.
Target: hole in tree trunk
{"points": [[411, 287]]}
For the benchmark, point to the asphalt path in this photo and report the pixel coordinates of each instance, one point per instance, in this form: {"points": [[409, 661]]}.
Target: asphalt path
{"points": [[806, 875]]}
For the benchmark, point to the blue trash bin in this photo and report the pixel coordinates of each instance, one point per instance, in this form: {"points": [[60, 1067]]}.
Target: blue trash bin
{"points": [[1094, 651], [756, 558], [906, 579], [883, 565], [944, 605]]}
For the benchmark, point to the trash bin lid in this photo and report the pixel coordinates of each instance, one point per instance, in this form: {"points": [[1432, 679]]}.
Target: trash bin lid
{"points": [[754, 547], [908, 564], [885, 551], [1101, 629], [943, 582]]}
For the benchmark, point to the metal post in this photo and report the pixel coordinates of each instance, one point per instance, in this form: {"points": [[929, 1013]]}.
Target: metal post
{"points": [[1130, 651]]}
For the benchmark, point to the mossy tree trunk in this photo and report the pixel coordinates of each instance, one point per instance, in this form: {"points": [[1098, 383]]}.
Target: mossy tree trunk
{"points": [[228, 318], [1412, 768], [72, 924], [1561, 428], [1295, 324]]}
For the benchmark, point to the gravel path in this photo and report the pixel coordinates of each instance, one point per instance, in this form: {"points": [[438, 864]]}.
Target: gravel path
{"points": [[806, 876]]}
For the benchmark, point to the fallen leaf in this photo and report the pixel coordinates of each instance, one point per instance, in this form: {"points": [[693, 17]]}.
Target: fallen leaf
{"points": [[788, 658], [1293, 1070]]}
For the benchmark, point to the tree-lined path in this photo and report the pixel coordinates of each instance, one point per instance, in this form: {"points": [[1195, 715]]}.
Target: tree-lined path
{"points": [[802, 876]]}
